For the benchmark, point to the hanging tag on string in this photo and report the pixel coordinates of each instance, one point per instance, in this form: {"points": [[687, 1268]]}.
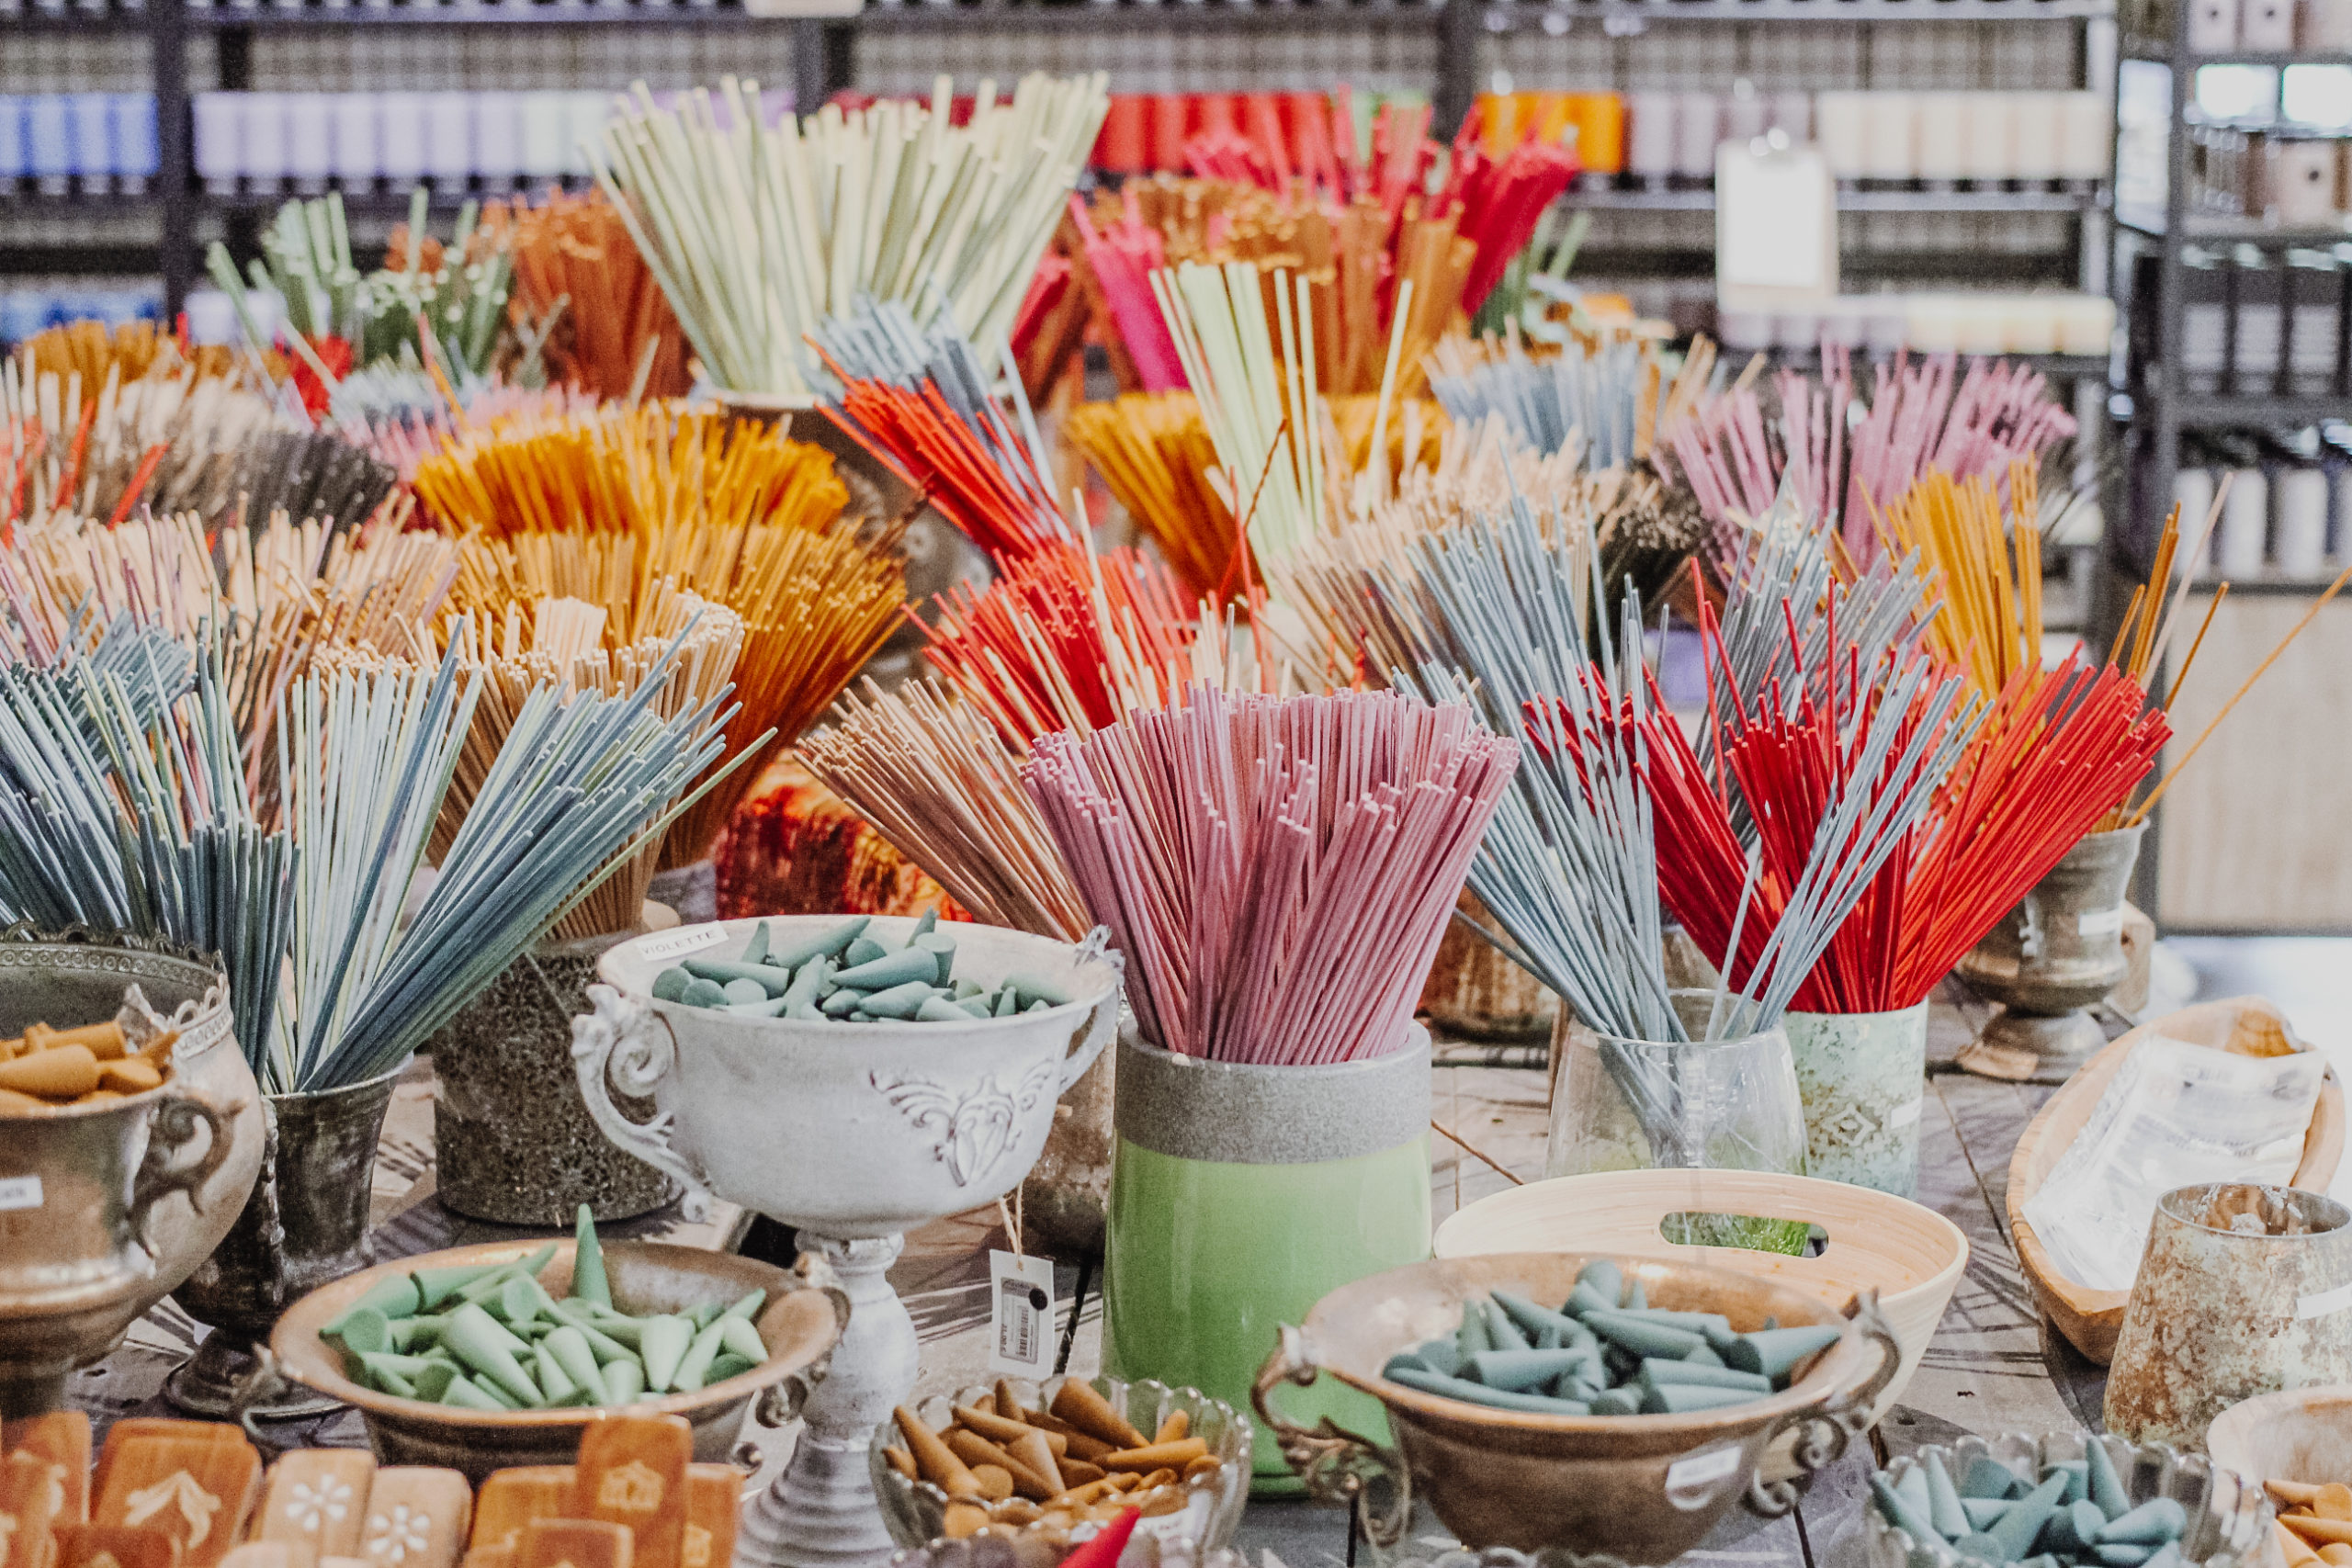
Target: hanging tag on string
{"points": [[1021, 1302]]}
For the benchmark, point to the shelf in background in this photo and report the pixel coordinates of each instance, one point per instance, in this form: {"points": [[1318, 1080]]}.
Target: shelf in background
{"points": [[35, 20], [913, 17], [2216, 411], [1852, 199], [2161, 50], [271, 18], [1633, 13], [372, 203], [2057, 366], [2228, 231]]}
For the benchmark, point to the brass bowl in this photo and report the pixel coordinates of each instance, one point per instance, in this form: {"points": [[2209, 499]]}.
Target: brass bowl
{"points": [[801, 1321], [1645, 1488]]}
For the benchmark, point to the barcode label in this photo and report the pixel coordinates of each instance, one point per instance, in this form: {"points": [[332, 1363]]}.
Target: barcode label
{"points": [[19, 1192], [1021, 1313], [677, 944]]}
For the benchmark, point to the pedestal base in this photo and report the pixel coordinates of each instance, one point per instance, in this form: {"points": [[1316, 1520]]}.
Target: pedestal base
{"points": [[2019, 1046], [208, 1384], [821, 1511]]}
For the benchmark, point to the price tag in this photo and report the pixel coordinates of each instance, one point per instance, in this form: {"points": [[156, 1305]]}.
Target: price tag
{"points": [[1021, 1313], [19, 1192], [1693, 1481], [1776, 221], [678, 944]]}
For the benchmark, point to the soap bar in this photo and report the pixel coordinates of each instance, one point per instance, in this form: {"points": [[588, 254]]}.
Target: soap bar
{"points": [[632, 1472], [510, 1499], [574, 1543], [126, 1546], [131, 1426], [198, 1491], [316, 1502], [63, 1437], [713, 1495], [417, 1518], [32, 1494]]}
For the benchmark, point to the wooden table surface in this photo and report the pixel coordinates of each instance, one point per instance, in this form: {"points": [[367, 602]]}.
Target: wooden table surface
{"points": [[1990, 1368]]}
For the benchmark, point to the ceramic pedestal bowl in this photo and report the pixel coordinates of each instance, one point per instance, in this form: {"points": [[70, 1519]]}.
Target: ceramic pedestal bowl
{"points": [[1646, 1488], [852, 1133], [111, 1205], [800, 1322]]}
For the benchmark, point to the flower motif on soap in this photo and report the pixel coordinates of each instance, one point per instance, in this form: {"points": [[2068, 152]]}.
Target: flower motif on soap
{"points": [[313, 1508], [178, 1490], [394, 1535], [974, 1129]]}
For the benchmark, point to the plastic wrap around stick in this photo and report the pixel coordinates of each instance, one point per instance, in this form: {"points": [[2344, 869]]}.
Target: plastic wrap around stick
{"points": [[1278, 871]]}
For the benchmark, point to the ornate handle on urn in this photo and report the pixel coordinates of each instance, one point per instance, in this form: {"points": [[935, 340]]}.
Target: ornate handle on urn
{"points": [[176, 1119], [1822, 1433], [621, 1040], [1337, 1465]]}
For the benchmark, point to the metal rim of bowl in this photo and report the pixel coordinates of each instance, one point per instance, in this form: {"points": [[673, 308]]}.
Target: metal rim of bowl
{"points": [[866, 1032], [334, 1384], [23, 935], [1816, 1385], [1191, 1485]]}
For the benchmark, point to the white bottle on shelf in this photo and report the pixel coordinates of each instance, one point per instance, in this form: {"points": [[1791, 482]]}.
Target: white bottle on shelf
{"points": [[357, 133], [498, 139], [2085, 136], [1841, 128], [449, 138], [2192, 492], [310, 141], [267, 134], [1943, 135], [1891, 136], [546, 151], [1989, 136], [2039, 118], [402, 160], [218, 141], [2242, 540], [2302, 521]]}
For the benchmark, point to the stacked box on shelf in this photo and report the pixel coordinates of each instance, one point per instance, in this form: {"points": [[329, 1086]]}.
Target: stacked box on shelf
{"points": [[58, 142]]}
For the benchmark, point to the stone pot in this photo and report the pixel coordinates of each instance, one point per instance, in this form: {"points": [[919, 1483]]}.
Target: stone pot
{"points": [[2053, 955], [1862, 1077]]}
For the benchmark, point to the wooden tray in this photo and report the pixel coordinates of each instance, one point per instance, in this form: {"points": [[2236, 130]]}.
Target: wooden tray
{"points": [[2091, 1319]]}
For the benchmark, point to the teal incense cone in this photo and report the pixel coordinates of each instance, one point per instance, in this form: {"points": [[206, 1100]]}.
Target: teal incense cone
{"points": [[556, 1385], [1603, 1279], [481, 1344], [2121, 1554], [1471, 1337], [937, 1009], [700, 993], [670, 985], [396, 1297], [1616, 1401], [1584, 1300], [1501, 1332], [2151, 1524], [1479, 1393], [588, 1280], [435, 1286], [827, 944], [1518, 1370], [738, 1337], [1443, 1356], [1774, 1351], [2018, 1529], [463, 1393], [570, 1350], [719, 971], [1988, 1477], [2077, 1477], [1643, 1337], [1408, 1362], [664, 1344], [864, 949], [898, 969], [1943, 1499], [1033, 991], [2074, 1527], [1535, 1319], [901, 1001], [605, 1346], [1983, 1511], [2106, 1487], [943, 953], [1658, 1371], [1683, 1398], [625, 1381], [1898, 1512]]}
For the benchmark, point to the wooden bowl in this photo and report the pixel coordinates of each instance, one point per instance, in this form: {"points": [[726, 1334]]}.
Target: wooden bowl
{"points": [[2304, 1434], [1646, 1488], [1911, 1255], [2091, 1319], [800, 1322]]}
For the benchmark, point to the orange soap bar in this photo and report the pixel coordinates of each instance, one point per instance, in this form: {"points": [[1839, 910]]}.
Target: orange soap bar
{"points": [[632, 1472], [125, 1546], [714, 1496], [316, 1502], [574, 1543], [131, 1426], [196, 1490], [32, 1497], [509, 1499], [416, 1518], [63, 1437]]}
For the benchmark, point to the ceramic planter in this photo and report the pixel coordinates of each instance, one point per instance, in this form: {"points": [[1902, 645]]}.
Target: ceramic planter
{"points": [[1862, 1077], [2053, 955], [513, 1139], [1242, 1195]]}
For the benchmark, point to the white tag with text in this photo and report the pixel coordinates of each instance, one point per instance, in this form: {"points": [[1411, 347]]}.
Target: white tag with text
{"points": [[1021, 1313], [19, 1192], [678, 944]]}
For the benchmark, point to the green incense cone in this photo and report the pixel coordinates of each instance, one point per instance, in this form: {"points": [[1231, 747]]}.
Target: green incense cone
{"points": [[1519, 1371], [1584, 1300], [771, 981], [925, 923], [894, 969], [747, 1305], [1616, 1401], [746, 993], [943, 954], [756, 950], [703, 994], [2121, 1554], [1471, 1337], [2018, 1529], [625, 1381], [1983, 1511], [1989, 1477], [1943, 1499], [1704, 1356], [2157, 1520], [387, 1380], [937, 1009], [2077, 1477], [1410, 1362], [517, 1302], [1534, 1318], [1501, 1332], [477, 1342], [1657, 1372], [662, 1347], [670, 985], [738, 1337], [1548, 1338], [1914, 1487], [570, 1350], [408, 1367], [900, 1001], [694, 1366], [1636, 1299], [1682, 1398], [607, 1348], [1643, 1337], [506, 1400], [1980, 1547], [1898, 1512], [1033, 991], [728, 1366], [1697, 1322], [803, 991], [2073, 1528], [864, 950], [1773, 1351], [432, 1383], [589, 1282], [413, 1334], [843, 1003], [365, 1331], [702, 1315], [1479, 1394], [465, 1396], [1007, 1002], [396, 1297], [826, 944], [1443, 1356], [435, 1286], [485, 1287], [556, 1385], [2106, 1486]]}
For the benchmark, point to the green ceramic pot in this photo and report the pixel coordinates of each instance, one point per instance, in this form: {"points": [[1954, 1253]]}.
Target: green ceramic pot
{"points": [[1240, 1196], [1862, 1076]]}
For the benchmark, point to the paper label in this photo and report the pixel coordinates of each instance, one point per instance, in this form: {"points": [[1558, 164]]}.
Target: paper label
{"points": [[2320, 1304], [1021, 1313], [1906, 1113], [1691, 1481], [19, 1192], [678, 944], [2100, 922]]}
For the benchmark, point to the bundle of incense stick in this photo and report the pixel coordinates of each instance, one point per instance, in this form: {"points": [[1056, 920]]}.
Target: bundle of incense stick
{"points": [[926, 400], [401, 418], [170, 440], [1841, 466], [1610, 393], [581, 784], [311, 474], [614, 334], [94, 353], [696, 642], [757, 233], [935, 773], [1155, 455], [123, 809], [1277, 870]]}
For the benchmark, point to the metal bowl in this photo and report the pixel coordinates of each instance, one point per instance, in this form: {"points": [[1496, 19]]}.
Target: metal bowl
{"points": [[2229, 1519], [1646, 1488], [801, 1321], [126, 1196], [1212, 1503]]}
